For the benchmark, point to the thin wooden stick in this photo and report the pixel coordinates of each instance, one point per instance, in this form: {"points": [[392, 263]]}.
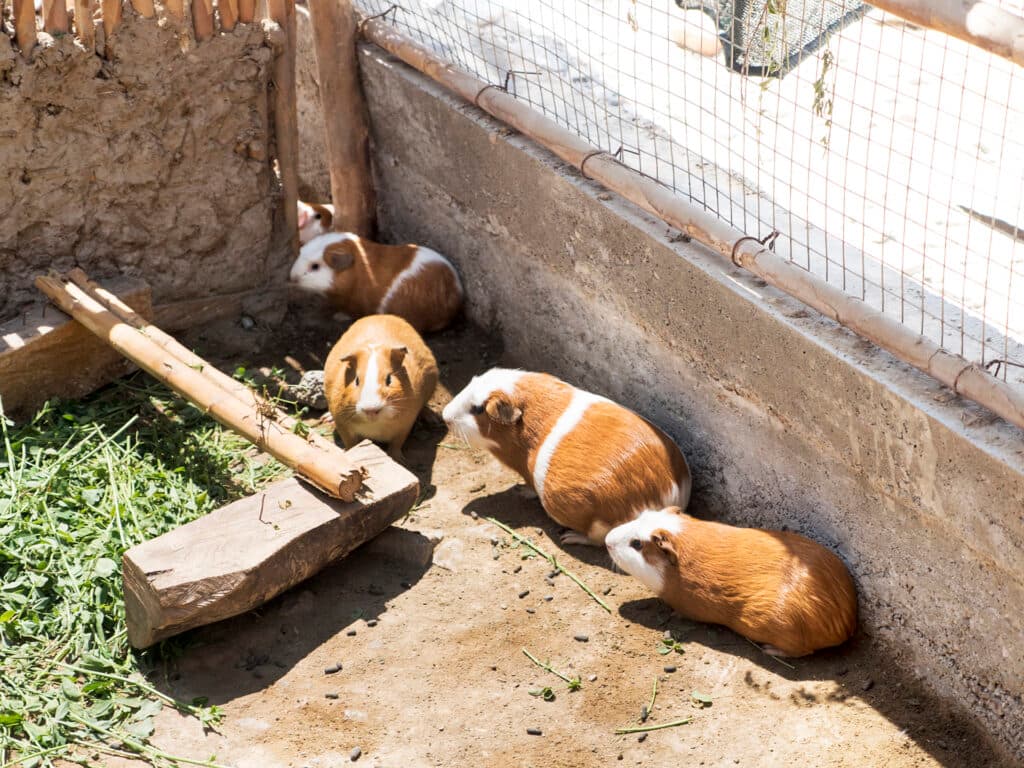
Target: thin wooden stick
{"points": [[111, 21], [286, 123], [247, 11], [25, 26], [346, 123], [55, 17], [332, 472], [85, 27], [964, 377], [228, 10], [202, 19], [169, 344], [144, 8], [644, 728], [551, 559]]}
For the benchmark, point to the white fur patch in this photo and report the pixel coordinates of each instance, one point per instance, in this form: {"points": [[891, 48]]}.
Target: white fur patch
{"points": [[309, 225], [423, 258], [370, 396], [570, 418], [457, 414], [631, 560], [309, 271]]}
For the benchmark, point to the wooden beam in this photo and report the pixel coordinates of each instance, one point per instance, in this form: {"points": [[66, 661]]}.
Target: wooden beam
{"points": [[202, 19], [286, 121], [228, 10], [85, 27], [45, 354], [55, 17], [346, 121], [241, 555], [25, 26]]}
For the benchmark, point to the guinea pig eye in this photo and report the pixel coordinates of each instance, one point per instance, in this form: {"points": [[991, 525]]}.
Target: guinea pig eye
{"points": [[476, 410], [316, 216], [636, 544], [357, 381], [387, 380], [314, 266]]}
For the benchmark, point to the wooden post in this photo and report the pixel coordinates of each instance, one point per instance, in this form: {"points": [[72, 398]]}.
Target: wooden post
{"points": [[286, 123], [239, 556], [202, 19], [176, 9], [111, 20], [25, 26], [346, 122], [228, 10], [328, 470], [84, 25], [144, 8], [247, 11], [55, 17]]}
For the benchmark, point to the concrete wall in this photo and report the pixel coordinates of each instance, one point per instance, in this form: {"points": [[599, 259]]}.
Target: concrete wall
{"points": [[152, 163], [787, 420]]}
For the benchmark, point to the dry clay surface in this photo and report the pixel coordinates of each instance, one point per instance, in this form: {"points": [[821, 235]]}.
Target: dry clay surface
{"points": [[433, 671]]}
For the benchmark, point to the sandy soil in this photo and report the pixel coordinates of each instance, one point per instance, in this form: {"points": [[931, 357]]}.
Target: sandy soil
{"points": [[440, 678]]}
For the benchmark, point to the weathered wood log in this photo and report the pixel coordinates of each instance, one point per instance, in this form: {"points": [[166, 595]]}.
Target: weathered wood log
{"points": [[25, 26], [85, 27], [329, 470], [55, 17], [346, 122], [202, 19], [286, 121], [245, 553], [45, 354]]}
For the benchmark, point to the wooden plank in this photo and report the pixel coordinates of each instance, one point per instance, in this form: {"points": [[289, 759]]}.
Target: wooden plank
{"points": [[346, 123], [286, 120], [247, 552], [45, 354]]}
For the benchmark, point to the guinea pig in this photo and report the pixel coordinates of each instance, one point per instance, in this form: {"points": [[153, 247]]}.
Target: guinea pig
{"points": [[774, 587], [315, 219], [593, 464], [377, 379], [361, 277]]}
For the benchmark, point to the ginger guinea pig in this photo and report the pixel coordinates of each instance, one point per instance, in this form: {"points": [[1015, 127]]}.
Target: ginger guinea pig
{"points": [[361, 277], [377, 379], [593, 463], [774, 587], [314, 220]]}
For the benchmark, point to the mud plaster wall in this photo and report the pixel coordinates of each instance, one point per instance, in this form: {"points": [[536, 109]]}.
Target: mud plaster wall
{"points": [[152, 164], [788, 421]]}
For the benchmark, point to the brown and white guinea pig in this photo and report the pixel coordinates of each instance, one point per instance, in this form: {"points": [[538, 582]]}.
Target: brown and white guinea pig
{"points": [[774, 587], [315, 219], [361, 277], [377, 379], [593, 463]]}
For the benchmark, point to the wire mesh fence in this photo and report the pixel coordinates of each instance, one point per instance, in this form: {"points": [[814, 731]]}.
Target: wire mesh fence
{"points": [[889, 157]]}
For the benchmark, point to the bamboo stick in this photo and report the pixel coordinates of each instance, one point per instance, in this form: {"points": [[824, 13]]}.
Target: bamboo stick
{"points": [[202, 19], [286, 122], [144, 8], [85, 27], [332, 472], [247, 11], [963, 377], [25, 26], [169, 344], [228, 10], [111, 20], [175, 8], [346, 124], [979, 23], [55, 17]]}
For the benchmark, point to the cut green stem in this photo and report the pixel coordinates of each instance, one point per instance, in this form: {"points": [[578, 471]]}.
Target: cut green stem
{"points": [[551, 559], [644, 728], [574, 683]]}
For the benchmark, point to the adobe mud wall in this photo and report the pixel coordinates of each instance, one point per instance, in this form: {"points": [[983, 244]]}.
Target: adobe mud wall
{"points": [[153, 163]]}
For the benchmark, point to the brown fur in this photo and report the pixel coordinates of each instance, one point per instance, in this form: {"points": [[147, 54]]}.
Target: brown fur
{"points": [[613, 465], [775, 587], [400, 352], [364, 271]]}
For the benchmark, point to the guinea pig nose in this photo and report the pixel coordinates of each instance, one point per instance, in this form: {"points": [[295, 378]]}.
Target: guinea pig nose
{"points": [[373, 411]]}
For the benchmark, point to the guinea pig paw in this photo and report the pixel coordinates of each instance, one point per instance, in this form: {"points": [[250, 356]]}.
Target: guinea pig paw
{"points": [[572, 537], [526, 492], [771, 650]]}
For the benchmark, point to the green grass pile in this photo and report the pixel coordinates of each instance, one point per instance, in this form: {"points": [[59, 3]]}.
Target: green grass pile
{"points": [[79, 484]]}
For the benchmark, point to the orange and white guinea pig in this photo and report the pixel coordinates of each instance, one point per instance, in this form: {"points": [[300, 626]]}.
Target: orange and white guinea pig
{"points": [[361, 277], [314, 219], [377, 379], [774, 587], [593, 463]]}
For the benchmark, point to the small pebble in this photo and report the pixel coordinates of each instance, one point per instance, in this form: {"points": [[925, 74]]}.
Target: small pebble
{"points": [[478, 488], [607, 591], [494, 541], [668, 634], [330, 695], [868, 685], [530, 610], [371, 623], [643, 714], [494, 667], [642, 737], [496, 555], [550, 581], [473, 514], [553, 574], [548, 598], [351, 633], [592, 678], [406, 585], [503, 606], [517, 569], [619, 757], [670, 669], [332, 669], [247, 322], [581, 638], [524, 593], [354, 754], [534, 731]]}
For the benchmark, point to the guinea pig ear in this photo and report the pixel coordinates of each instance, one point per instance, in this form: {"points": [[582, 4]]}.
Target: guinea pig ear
{"points": [[326, 216], [502, 411], [398, 356], [664, 543], [339, 256], [305, 212]]}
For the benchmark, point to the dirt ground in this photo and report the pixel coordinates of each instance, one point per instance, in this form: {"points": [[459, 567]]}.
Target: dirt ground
{"points": [[440, 679]]}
